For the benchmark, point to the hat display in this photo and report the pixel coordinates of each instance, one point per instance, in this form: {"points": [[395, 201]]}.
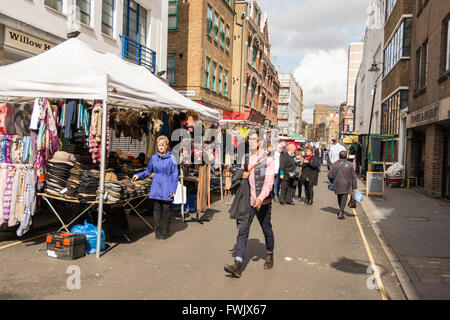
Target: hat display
{"points": [[62, 157], [57, 173]]}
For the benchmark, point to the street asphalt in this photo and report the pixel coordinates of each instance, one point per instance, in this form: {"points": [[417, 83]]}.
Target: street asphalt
{"points": [[317, 256]]}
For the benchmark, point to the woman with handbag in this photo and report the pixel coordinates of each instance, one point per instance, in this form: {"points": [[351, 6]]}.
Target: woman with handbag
{"points": [[310, 173], [343, 177], [288, 173]]}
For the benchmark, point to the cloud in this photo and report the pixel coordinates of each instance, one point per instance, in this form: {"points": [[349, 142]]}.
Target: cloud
{"points": [[314, 24], [323, 77]]}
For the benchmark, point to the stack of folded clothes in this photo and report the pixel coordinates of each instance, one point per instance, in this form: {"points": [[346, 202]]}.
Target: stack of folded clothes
{"points": [[89, 184], [74, 182], [57, 173]]}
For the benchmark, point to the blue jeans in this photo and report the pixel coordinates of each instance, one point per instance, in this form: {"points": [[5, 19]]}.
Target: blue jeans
{"points": [[276, 186], [264, 217]]}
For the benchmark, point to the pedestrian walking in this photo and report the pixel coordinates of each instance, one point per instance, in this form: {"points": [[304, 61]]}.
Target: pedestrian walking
{"points": [[299, 155], [256, 176], [343, 176], [334, 151], [288, 173], [164, 185], [310, 173], [276, 168]]}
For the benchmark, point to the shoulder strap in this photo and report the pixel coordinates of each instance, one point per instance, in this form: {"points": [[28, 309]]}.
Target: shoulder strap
{"points": [[342, 166], [246, 161]]}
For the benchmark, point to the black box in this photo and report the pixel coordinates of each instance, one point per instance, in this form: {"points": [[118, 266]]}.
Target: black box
{"points": [[65, 245]]}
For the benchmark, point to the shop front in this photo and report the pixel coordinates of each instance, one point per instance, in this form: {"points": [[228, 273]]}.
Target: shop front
{"points": [[428, 161]]}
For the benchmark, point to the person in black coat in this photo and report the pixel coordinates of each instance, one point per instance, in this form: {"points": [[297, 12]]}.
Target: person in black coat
{"points": [[287, 165], [310, 173]]}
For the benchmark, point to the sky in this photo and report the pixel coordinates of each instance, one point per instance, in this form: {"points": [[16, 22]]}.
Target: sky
{"points": [[310, 39]]}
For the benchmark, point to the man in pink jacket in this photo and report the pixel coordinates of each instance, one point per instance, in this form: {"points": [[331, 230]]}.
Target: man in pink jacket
{"points": [[261, 175]]}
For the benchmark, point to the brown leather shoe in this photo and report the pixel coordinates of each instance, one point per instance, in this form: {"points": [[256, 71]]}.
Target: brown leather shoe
{"points": [[235, 269], [269, 261]]}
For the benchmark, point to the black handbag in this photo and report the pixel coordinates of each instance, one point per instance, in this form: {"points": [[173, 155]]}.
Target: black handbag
{"points": [[292, 175]]}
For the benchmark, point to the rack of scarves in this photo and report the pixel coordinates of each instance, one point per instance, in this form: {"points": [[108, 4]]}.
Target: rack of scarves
{"points": [[15, 149], [17, 195]]}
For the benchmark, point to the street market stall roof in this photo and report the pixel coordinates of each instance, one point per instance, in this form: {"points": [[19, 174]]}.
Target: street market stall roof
{"points": [[75, 70]]}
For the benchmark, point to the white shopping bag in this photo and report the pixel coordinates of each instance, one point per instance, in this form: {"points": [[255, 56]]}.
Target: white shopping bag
{"points": [[177, 198]]}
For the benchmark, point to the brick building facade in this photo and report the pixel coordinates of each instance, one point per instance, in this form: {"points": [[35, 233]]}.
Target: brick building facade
{"points": [[200, 51], [396, 68], [255, 79], [331, 115], [428, 121]]}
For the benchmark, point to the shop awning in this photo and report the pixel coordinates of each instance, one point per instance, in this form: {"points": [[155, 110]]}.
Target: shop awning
{"points": [[76, 70]]}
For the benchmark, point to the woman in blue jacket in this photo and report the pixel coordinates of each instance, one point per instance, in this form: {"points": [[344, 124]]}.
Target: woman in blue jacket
{"points": [[164, 185]]}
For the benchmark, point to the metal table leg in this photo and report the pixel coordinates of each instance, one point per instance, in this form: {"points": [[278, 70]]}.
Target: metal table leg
{"points": [[134, 209], [64, 226]]}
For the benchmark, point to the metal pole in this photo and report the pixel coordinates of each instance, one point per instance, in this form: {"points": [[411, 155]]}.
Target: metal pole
{"points": [[182, 187], [370, 123], [221, 183], [101, 191]]}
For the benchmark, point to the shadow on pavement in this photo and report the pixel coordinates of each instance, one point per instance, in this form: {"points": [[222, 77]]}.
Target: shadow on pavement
{"points": [[356, 266], [255, 251]]}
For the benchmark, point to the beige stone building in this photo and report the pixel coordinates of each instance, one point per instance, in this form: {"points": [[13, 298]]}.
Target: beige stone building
{"points": [[355, 55]]}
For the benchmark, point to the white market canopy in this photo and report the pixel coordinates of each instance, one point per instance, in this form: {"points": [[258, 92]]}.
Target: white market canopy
{"points": [[75, 70]]}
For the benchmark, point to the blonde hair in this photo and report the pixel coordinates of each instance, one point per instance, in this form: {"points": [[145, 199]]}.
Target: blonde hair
{"points": [[162, 139]]}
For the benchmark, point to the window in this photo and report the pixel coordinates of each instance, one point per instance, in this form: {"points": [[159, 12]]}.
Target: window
{"points": [[216, 25], [55, 4], [399, 46], [209, 21], [264, 78], [389, 7], [390, 114], [207, 72], [445, 64], [172, 68], [227, 37], [107, 17], [173, 14], [421, 66], [135, 21], [85, 11], [252, 96], [220, 80], [263, 100], [213, 87], [421, 5], [225, 83], [222, 32], [255, 53]]}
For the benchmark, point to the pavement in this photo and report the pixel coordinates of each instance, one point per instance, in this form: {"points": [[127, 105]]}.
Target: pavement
{"points": [[317, 256], [414, 231]]}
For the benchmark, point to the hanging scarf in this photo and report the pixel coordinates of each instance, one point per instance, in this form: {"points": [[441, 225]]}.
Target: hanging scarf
{"points": [[309, 157]]}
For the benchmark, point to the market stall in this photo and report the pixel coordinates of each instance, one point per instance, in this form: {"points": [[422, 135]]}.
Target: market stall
{"points": [[75, 70]]}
